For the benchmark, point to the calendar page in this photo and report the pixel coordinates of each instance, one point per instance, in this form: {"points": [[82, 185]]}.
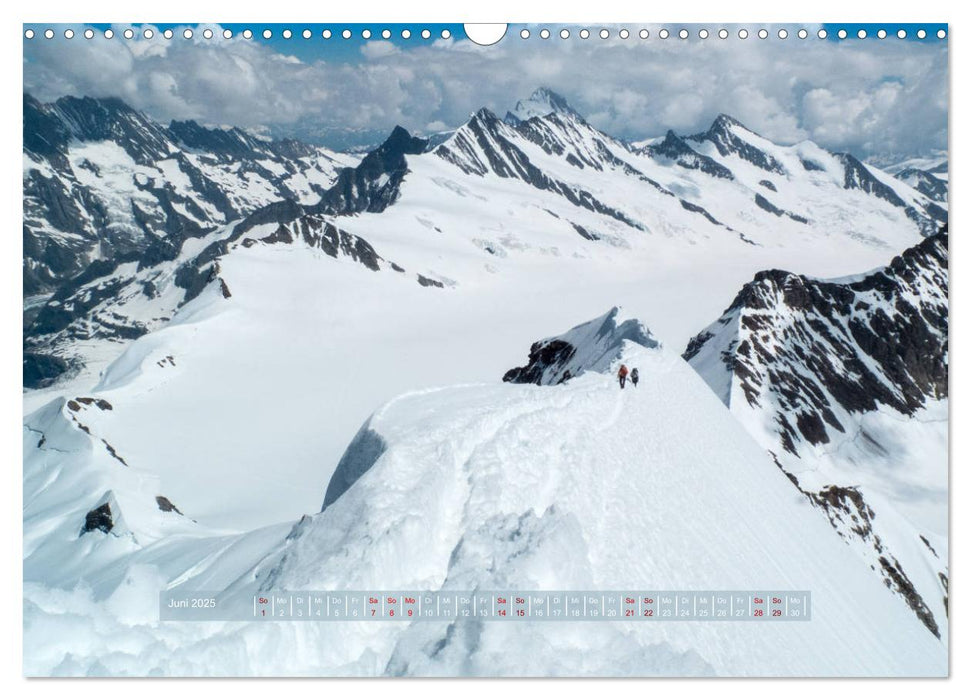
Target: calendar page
{"points": [[485, 350]]}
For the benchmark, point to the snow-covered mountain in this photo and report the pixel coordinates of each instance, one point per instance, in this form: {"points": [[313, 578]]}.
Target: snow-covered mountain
{"points": [[481, 486], [244, 356], [571, 190], [541, 103], [928, 174], [844, 382], [103, 181], [925, 182]]}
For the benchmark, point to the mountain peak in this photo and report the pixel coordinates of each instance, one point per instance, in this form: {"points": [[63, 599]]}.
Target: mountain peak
{"points": [[485, 114], [723, 122], [541, 103], [401, 142]]}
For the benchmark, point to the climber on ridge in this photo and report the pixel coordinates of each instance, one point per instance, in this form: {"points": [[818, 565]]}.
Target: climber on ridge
{"points": [[634, 376], [622, 375]]}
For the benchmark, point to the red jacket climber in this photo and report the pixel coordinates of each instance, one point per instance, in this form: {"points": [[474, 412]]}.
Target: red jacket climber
{"points": [[622, 375]]}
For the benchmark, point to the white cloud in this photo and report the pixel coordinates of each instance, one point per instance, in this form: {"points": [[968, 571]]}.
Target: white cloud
{"points": [[868, 96]]}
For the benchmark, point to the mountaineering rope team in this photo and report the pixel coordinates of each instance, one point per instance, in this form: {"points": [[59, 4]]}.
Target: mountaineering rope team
{"points": [[622, 376]]}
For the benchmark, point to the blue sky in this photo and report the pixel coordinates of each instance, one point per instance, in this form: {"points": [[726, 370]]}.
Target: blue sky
{"points": [[874, 97]]}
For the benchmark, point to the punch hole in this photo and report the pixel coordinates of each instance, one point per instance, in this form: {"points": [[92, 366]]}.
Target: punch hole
{"points": [[486, 34]]}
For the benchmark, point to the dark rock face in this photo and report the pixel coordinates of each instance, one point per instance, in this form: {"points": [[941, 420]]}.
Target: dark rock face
{"points": [[850, 515], [98, 519], [675, 148], [41, 370], [429, 282], [857, 177], [49, 128], [814, 356], [166, 506], [879, 341], [375, 183], [232, 143], [542, 356], [768, 206]]}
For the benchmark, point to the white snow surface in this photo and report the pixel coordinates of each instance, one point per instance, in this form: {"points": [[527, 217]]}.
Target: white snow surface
{"points": [[240, 409], [494, 486]]}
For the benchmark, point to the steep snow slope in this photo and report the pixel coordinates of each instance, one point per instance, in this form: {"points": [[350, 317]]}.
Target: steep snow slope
{"points": [[844, 382], [501, 485]]}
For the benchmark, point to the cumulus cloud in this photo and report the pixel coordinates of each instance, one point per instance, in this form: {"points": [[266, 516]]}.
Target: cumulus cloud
{"points": [[871, 97]]}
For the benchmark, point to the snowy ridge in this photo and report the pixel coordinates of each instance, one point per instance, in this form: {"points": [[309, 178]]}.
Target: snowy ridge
{"points": [[593, 346], [571, 190], [494, 486], [845, 384], [926, 183], [84, 502], [504, 486]]}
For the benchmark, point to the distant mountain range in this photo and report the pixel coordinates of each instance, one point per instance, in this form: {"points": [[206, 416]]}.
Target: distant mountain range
{"points": [[211, 317]]}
